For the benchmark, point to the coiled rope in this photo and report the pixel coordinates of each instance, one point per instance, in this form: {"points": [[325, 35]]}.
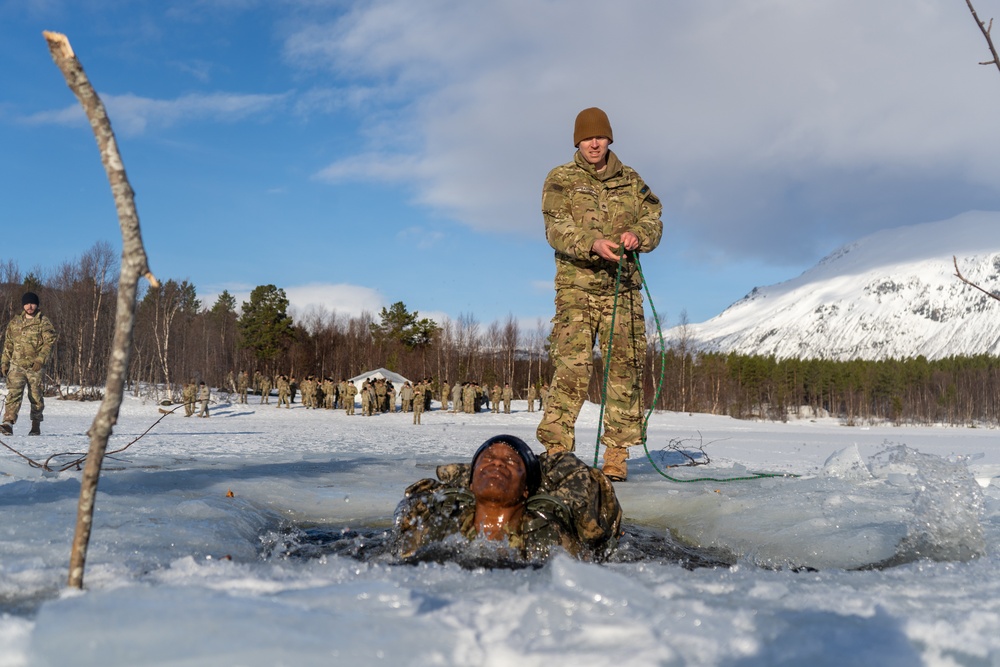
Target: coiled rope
{"points": [[659, 387]]}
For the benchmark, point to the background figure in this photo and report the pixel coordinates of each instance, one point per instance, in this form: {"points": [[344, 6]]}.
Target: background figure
{"points": [[598, 214], [27, 346], [204, 395]]}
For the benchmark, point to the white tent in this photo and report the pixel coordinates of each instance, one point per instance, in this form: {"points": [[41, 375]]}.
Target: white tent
{"points": [[396, 379]]}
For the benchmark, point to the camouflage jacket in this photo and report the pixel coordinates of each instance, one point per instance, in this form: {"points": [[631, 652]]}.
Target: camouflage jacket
{"points": [[28, 341], [581, 206], [575, 508]]}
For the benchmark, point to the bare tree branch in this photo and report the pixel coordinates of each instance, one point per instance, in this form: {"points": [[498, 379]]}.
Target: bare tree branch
{"points": [[989, 40], [134, 264], [969, 282]]}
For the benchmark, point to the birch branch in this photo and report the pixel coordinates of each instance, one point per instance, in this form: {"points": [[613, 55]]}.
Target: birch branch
{"points": [[959, 275], [989, 40], [133, 266]]}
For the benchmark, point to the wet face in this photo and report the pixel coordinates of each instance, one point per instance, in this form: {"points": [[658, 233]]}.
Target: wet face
{"points": [[595, 150], [500, 476]]}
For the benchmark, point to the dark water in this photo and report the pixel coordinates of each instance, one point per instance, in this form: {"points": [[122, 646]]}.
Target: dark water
{"points": [[637, 544]]}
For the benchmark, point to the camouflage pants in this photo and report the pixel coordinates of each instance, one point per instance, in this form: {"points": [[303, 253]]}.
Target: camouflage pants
{"points": [[581, 319], [16, 379]]}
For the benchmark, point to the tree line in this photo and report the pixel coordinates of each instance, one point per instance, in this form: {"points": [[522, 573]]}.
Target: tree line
{"points": [[178, 338]]}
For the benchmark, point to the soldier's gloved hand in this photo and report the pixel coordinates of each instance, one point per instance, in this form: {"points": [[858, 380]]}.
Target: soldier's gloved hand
{"points": [[4, 369], [37, 366]]}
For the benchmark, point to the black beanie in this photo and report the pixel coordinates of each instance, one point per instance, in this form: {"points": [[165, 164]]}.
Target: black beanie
{"points": [[29, 297], [531, 464]]}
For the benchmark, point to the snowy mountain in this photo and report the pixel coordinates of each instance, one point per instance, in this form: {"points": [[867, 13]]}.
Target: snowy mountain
{"points": [[893, 294]]}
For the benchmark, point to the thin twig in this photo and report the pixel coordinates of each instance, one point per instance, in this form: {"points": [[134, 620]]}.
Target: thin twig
{"points": [[986, 33], [970, 283]]}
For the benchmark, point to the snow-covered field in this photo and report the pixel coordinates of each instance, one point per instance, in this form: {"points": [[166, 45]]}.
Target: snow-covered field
{"points": [[180, 572]]}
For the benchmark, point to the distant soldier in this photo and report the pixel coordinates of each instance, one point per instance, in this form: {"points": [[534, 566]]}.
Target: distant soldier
{"points": [[469, 398], [204, 395], [365, 405], [231, 382], [381, 395], [265, 389], [445, 393], [543, 396], [284, 389], [242, 384], [293, 388], [456, 397], [27, 346], [406, 397], [188, 396], [532, 396], [390, 394], [350, 391], [418, 400], [508, 396], [328, 393], [495, 395]]}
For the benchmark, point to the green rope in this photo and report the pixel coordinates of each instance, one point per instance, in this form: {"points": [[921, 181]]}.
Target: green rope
{"points": [[659, 388]]}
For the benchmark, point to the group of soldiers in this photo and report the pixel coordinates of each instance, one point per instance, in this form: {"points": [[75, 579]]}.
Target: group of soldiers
{"points": [[377, 395]]}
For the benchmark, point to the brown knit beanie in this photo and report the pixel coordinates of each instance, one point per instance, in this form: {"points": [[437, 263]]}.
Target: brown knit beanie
{"points": [[591, 122]]}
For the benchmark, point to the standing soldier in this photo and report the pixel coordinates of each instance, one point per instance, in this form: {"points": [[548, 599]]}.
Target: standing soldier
{"points": [[390, 394], [495, 395], [456, 397], [418, 400], [599, 214], [406, 397], [242, 383], [328, 393], [284, 388], [532, 395], [188, 396], [265, 389], [445, 393], [350, 391], [204, 395], [27, 346], [381, 392], [469, 398], [508, 396]]}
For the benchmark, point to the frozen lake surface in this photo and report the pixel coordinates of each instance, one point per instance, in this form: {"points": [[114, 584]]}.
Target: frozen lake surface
{"points": [[883, 551]]}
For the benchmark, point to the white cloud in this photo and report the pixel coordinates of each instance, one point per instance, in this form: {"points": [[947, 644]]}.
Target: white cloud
{"points": [[767, 127], [133, 115]]}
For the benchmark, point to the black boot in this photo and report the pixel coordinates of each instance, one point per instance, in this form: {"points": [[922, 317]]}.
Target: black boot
{"points": [[7, 429], [36, 427]]}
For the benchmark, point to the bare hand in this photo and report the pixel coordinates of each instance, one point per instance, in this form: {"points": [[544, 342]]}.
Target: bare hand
{"points": [[606, 249]]}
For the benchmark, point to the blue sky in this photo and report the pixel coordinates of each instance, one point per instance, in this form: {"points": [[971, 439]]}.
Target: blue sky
{"points": [[362, 153]]}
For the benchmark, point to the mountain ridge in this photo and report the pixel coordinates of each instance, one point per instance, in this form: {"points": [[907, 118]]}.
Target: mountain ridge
{"points": [[890, 294]]}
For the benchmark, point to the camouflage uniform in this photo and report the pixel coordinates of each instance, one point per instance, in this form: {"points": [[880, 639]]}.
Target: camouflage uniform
{"points": [[575, 508], [580, 206], [508, 396], [445, 394], [265, 389], [188, 396], [456, 397], [350, 391], [418, 400], [495, 395], [27, 346], [242, 384], [284, 387], [532, 395]]}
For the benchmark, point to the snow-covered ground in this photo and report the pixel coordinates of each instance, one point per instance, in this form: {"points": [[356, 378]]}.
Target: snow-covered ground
{"points": [[180, 572]]}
